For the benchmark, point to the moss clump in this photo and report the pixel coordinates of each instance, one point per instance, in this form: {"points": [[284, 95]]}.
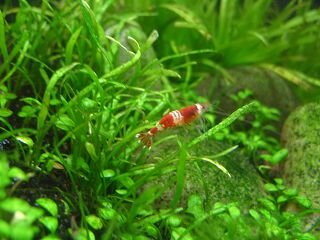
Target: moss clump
{"points": [[301, 137]]}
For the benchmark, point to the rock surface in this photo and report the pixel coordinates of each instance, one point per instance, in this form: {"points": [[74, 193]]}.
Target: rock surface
{"points": [[203, 178], [267, 87], [301, 136]]}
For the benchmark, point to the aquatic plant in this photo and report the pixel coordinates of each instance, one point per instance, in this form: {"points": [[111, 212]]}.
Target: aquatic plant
{"points": [[78, 81]]}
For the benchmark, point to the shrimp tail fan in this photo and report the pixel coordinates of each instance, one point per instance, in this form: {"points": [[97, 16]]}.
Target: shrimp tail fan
{"points": [[145, 139]]}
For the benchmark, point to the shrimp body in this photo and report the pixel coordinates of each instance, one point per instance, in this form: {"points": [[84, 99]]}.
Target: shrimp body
{"points": [[173, 119]]}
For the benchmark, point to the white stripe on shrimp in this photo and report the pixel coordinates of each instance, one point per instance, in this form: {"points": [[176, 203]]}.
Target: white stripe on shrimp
{"points": [[177, 117], [200, 108]]}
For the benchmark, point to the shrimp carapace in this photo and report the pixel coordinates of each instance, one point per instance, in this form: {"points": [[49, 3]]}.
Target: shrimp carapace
{"points": [[173, 119]]}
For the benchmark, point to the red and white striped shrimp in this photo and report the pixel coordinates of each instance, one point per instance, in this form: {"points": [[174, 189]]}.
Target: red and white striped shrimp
{"points": [[173, 119]]}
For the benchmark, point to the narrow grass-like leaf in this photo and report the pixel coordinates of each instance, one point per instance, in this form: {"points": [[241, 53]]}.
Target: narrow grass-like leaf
{"points": [[191, 20], [226, 15], [3, 45], [95, 30], [90, 21], [300, 20], [184, 54], [120, 44], [226, 122], [292, 76], [17, 47], [124, 67], [204, 217], [151, 39], [147, 197], [180, 176], [225, 152], [18, 62], [218, 165], [220, 69], [46, 98], [70, 45]]}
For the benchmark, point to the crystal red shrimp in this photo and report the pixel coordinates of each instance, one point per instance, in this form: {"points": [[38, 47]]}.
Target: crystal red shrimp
{"points": [[173, 119]]}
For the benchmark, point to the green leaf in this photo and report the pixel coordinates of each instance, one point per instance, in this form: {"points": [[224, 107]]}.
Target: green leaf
{"points": [[177, 233], [28, 112], [251, 107], [26, 140], [94, 221], [23, 230], [4, 112], [290, 75], [51, 237], [218, 165], [282, 199], [3, 46], [124, 67], [190, 19], [51, 223], [234, 211], [64, 122], [19, 47], [278, 181], [70, 45], [108, 173], [91, 150], [290, 192], [47, 95], [180, 175], [122, 191], [195, 206], [34, 213], [270, 187], [126, 181], [304, 201], [16, 172], [14, 204], [84, 234], [265, 213], [152, 231], [254, 214], [31, 101], [279, 156], [106, 213], [49, 205], [268, 204], [4, 229], [174, 221], [88, 105]]}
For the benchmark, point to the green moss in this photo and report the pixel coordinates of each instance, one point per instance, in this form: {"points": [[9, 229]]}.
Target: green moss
{"points": [[301, 137]]}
